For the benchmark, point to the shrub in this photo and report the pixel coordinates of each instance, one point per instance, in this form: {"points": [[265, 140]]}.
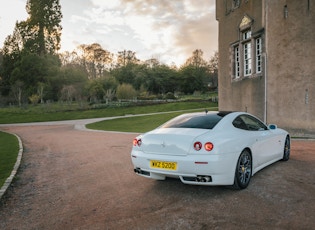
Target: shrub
{"points": [[126, 91]]}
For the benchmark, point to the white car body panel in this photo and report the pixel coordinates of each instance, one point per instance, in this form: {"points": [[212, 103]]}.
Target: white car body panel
{"points": [[176, 145], [175, 141]]}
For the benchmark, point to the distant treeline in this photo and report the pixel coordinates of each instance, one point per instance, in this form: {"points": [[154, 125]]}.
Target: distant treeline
{"points": [[32, 70]]}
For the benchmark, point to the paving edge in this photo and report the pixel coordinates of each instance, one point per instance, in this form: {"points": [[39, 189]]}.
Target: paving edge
{"points": [[15, 168]]}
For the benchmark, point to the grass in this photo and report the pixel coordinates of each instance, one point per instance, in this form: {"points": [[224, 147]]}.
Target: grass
{"points": [[55, 112], [9, 149], [139, 124]]}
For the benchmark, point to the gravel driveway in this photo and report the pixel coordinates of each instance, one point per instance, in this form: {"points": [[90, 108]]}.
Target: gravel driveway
{"points": [[75, 179]]}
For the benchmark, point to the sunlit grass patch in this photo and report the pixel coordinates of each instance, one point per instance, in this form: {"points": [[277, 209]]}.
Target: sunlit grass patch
{"points": [[9, 149]]}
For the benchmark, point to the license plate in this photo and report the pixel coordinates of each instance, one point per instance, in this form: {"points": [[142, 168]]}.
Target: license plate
{"points": [[163, 165]]}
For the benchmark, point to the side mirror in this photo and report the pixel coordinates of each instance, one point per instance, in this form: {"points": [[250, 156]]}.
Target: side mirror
{"points": [[272, 126]]}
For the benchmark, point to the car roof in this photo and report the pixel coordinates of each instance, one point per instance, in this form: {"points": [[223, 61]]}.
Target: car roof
{"points": [[203, 120]]}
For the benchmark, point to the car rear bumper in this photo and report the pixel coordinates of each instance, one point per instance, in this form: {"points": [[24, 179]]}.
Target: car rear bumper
{"points": [[215, 169]]}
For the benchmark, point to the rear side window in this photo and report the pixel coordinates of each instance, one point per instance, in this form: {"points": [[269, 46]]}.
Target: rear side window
{"points": [[248, 122], [197, 121], [239, 123]]}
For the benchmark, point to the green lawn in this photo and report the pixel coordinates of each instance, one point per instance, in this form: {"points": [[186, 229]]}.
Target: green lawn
{"points": [[58, 112], [139, 124], [9, 149]]}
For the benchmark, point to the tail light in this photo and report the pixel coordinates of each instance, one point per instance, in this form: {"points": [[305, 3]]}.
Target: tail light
{"points": [[208, 146], [197, 146], [137, 142]]}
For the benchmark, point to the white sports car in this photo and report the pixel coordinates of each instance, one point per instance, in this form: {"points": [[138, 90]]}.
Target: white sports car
{"points": [[215, 148]]}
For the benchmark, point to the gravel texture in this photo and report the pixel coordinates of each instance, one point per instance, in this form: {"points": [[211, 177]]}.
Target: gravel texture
{"points": [[75, 179]]}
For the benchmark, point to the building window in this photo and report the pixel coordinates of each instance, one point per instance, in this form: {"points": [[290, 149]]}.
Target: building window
{"points": [[258, 55], [285, 11], [247, 52], [247, 35], [247, 59], [237, 61], [247, 56]]}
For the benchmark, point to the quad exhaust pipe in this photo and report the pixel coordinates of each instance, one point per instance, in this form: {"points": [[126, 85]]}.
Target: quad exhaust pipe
{"points": [[203, 179], [139, 171]]}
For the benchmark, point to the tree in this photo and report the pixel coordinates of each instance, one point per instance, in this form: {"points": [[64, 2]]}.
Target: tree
{"points": [[95, 60], [102, 88], [161, 79], [68, 93], [12, 49], [196, 60], [195, 74], [126, 57], [191, 79], [32, 69], [29, 53], [126, 74], [17, 91], [214, 69], [95, 90], [109, 95], [71, 59], [153, 62], [40, 91], [42, 30]]}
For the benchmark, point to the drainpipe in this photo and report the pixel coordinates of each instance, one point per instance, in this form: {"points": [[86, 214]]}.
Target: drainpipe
{"points": [[265, 21], [265, 98]]}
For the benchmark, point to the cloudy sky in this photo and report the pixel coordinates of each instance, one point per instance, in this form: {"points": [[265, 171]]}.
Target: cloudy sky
{"points": [[169, 30]]}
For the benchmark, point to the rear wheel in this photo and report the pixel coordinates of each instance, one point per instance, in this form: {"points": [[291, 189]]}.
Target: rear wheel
{"points": [[287, 148], [243, 171]]}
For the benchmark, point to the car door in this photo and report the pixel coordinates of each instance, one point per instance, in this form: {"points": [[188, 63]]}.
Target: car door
{"points": [[265, 143]]}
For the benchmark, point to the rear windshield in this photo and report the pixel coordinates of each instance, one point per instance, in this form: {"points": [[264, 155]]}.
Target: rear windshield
{"points": [[195, 121]]}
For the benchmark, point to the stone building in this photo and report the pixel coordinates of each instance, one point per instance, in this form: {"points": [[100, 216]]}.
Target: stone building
{"points": [[267, 61]]}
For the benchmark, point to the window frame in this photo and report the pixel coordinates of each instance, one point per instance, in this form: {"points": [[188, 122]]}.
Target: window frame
{"points": [[247, 56], [237, 62], [258, 49]]}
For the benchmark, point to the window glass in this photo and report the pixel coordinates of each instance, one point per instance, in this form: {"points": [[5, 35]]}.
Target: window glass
{"points": [[197, 121], [247, 34], [248, 122], [239, 123], [247, 59], [253, 124]]}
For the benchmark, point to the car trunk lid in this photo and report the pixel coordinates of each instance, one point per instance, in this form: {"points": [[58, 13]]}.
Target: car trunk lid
{"points": [[170, 141]]}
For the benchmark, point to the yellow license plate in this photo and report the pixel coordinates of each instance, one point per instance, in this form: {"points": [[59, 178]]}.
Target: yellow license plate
{"points": [[163, 165]]}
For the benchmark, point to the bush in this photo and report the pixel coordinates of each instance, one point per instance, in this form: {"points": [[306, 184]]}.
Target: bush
{"points": [[170, 95], [126, 91], [34, 99]]}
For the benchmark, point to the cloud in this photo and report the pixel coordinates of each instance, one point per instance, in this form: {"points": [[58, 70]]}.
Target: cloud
{"points": [[177, 27], [10, 13], [166, 29]]}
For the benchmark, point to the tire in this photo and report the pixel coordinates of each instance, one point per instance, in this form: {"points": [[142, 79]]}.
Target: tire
{"points": [[287, 149], [243, 171]]}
